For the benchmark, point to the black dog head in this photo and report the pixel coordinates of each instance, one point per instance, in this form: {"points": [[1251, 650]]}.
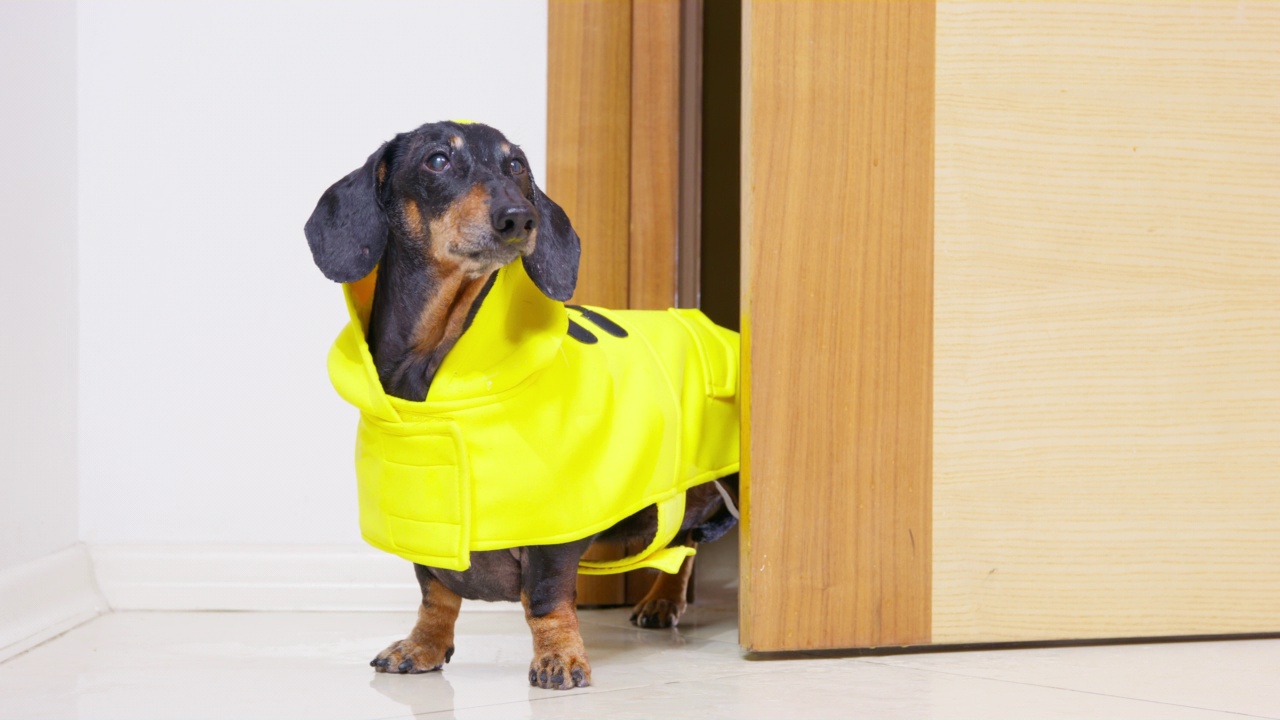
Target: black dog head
{"points": [[459, 195]]}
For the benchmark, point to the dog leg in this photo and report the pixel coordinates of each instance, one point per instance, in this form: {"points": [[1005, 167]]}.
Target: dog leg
{"points": [[549, 589], [666, 600], [430, 643]]}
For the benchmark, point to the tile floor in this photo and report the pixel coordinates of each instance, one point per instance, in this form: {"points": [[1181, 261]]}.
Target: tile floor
{"points": [[313, 665]]}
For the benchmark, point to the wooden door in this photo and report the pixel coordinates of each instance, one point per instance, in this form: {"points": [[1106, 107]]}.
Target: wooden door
{"points": [[1107, 355], [1013, 374], [1054, 416]]}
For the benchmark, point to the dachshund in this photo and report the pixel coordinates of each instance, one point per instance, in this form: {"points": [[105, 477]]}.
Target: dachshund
{"points": [[437, 211]]}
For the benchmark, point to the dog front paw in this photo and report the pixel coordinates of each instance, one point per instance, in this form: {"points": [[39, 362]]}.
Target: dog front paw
{"points": [[409, 656], [560, 671], [657, 613]]}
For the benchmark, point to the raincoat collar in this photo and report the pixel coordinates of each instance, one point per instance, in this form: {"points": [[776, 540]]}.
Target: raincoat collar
{"points": [[514, 334]]}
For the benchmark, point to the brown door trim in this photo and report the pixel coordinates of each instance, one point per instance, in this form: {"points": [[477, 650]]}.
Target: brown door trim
{"points": [[589, 138], [655, 152], [618, 104]]}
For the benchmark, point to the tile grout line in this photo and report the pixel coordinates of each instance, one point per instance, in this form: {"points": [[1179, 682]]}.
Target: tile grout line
{"points": [[1065, 689]]}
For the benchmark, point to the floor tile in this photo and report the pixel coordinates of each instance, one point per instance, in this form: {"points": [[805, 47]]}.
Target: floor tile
{"points": [[315, 665], [718, 622], [1241, 676], [844, 689], [203, 665]]}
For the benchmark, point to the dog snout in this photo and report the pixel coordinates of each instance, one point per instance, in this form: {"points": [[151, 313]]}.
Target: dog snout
{"points": [[513, 222]]}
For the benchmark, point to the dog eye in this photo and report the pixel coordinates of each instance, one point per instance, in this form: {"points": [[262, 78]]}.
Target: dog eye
{"points": [[516, 165], [437, 162]]}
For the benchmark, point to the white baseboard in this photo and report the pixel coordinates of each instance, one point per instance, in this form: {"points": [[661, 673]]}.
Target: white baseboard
{"points": [[45, 598], [258, 577]]}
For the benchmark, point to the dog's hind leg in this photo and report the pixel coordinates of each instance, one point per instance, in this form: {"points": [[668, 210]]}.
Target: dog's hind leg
{"points": [[430, 643], [548, 592], [666, 600]]}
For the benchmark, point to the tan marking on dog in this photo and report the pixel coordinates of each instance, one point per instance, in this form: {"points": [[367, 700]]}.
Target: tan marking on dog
{"points": [[462, 227], [430, 643], [382, 172], [532, 243], [456, 142], [506, 148], [667, 599], [413, 219], [441, 322], [437, 614], [557, 648]]}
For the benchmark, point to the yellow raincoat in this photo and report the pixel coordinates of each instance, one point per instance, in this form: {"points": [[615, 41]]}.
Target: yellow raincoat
{"points": [[530, 437]]}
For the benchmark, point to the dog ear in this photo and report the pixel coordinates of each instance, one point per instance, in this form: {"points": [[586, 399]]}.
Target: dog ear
{"points": [[553, 264], [348, 229]]}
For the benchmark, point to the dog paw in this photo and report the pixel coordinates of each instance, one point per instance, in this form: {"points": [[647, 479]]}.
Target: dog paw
{"points": [[660, 613], [559, 671], [407, 656]]}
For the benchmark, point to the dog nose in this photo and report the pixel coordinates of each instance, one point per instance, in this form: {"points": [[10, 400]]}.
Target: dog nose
{"points": [[513, 223]]}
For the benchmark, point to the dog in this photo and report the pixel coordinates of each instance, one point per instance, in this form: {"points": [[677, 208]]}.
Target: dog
{"points": [[452, 256]]}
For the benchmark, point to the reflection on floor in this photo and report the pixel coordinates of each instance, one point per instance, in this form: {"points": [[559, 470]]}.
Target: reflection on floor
{"points": [[314, 665]]}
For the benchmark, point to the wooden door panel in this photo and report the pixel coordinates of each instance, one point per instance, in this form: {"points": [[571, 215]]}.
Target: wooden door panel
{"points": [[1098, 454], [1107, 443]]}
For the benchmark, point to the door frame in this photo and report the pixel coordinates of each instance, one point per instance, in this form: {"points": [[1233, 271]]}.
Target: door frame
{"points": [[623, 122]]}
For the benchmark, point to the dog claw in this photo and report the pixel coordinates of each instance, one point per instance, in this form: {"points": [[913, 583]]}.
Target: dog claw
{"points": [[660, 613], [409, 657], [560, 672]]}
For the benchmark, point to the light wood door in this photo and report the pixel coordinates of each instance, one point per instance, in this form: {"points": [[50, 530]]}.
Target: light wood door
{"points": [[1015, 377], [1011, 374], [1107, 354]]}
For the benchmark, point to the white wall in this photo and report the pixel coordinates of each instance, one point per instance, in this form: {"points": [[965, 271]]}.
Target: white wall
{"points": [[207, 132], [38, 295]]}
